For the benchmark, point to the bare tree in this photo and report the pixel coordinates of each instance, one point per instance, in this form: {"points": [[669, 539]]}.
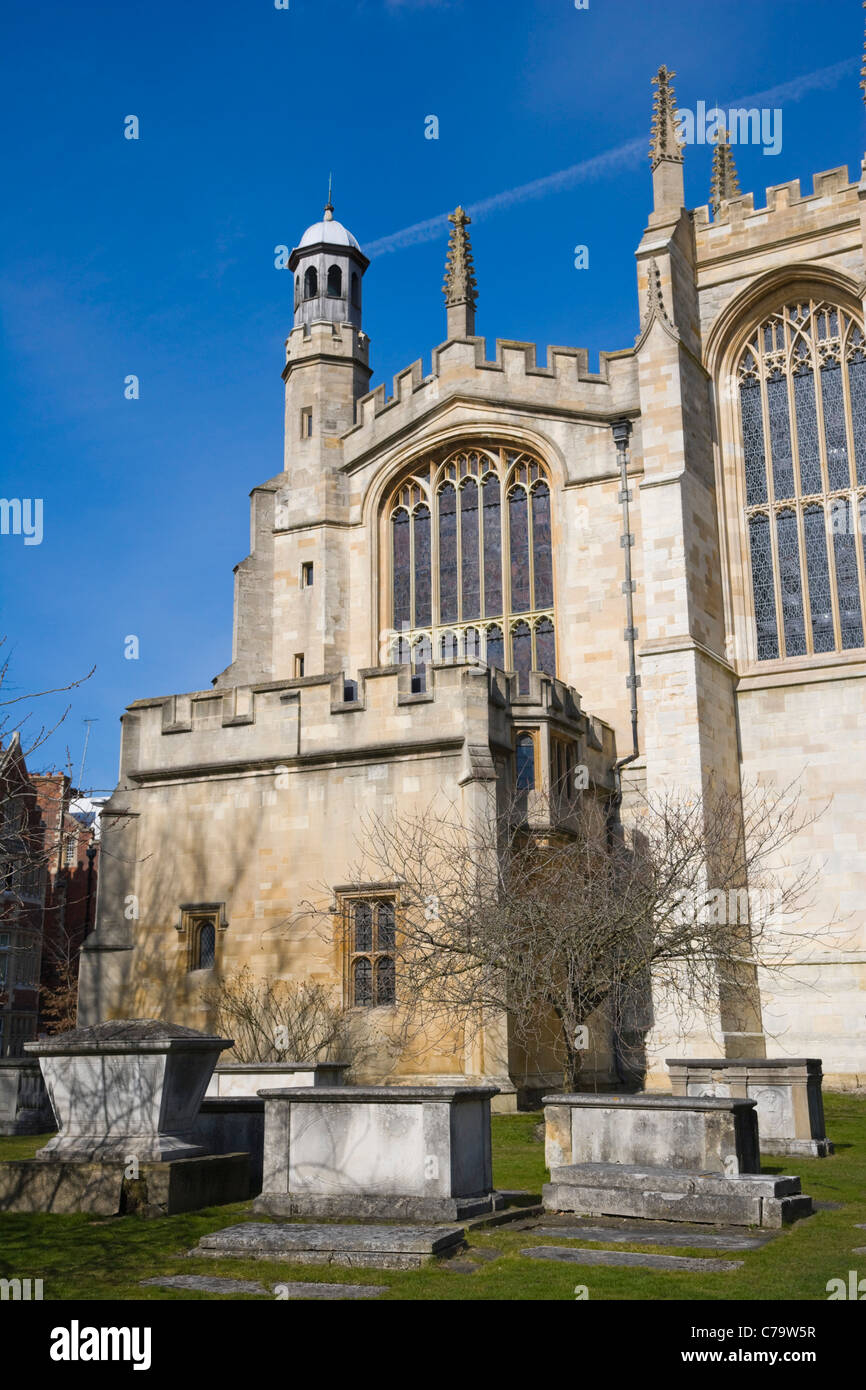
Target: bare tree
{"points": [[545, 911], [282, 1020]]}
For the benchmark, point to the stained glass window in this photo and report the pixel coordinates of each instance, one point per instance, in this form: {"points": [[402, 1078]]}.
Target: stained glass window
{"points": [[820, 596], [452, 549], [521, 645], [541, 546], [753, 441], [423, 605], [448, 555], [495, 647], [848, 589], [762, 584], [545, 643], [448, 646], [469, 554], [811, 355], [834, 425], [492, 546], [402, 614], [790, 582], [807, 431], [525, 762], [518, 521], [857, 380], [780, 436]]}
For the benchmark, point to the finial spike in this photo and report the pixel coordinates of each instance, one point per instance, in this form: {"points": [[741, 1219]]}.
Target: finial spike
{"points": [[665, 143], [460, 284], [329, 206], [725, 182]]}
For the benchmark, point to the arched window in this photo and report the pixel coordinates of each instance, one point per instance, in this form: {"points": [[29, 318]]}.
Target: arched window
{"points": [[356, 289], [802, 389], [470, 546], [335, 281], [524, 760], [297, 290], [311, 283], [204, 948]]}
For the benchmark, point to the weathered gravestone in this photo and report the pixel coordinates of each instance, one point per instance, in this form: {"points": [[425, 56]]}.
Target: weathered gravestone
{"points": [[666, 1158], [416, 1152], [787, 1091], [126, 1094]]}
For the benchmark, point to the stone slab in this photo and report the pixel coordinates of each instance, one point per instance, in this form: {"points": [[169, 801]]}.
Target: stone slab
{"points": [[630, 1259], [657, 1194], [162, 1189], [648, 1234], [379, 1247], [202, 1283], [329, 1292], [365, 1206]]}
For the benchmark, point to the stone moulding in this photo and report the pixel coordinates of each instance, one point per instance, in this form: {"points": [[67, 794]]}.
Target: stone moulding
{"points": [[416, 1152]]}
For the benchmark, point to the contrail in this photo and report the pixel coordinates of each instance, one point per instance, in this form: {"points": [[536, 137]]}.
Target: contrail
{"points": [[621, 156]]}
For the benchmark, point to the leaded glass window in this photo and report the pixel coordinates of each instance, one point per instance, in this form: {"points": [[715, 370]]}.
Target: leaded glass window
{"points": [[371, 938], [802, 394], [471, 541]]}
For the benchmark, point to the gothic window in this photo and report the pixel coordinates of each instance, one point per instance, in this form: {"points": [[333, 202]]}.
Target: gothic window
{"points": [[470, 546], [370, 927], [524, 762], [203, 944], [356, 289], [802, 394], [335, 281], [311, 283]]}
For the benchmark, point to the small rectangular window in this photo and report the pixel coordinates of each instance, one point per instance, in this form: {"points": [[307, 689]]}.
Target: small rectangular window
{"points": [[307, 422], [307, 574], [299, 665]]}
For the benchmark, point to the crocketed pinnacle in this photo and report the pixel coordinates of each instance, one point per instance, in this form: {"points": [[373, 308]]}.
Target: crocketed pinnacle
{"points": [[665, 143], [724, 183], [459, 285]]}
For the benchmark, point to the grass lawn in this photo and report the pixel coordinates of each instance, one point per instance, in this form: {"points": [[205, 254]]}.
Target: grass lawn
{"points": [[83, 1257]]}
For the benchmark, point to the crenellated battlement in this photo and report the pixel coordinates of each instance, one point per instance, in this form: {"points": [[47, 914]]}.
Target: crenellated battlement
{"points": [[322, 718], [786, 211], [461, 367]]}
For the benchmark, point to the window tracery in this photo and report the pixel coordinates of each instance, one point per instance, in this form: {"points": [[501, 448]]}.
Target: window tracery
{"points": [[801, 382], [471, 558]]}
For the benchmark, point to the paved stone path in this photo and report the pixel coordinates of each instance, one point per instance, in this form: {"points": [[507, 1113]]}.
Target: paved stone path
{"points": [[569, 1255]]}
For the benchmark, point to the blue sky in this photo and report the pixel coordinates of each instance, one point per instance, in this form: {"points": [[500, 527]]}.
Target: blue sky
{"points": [[156, 256]]}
